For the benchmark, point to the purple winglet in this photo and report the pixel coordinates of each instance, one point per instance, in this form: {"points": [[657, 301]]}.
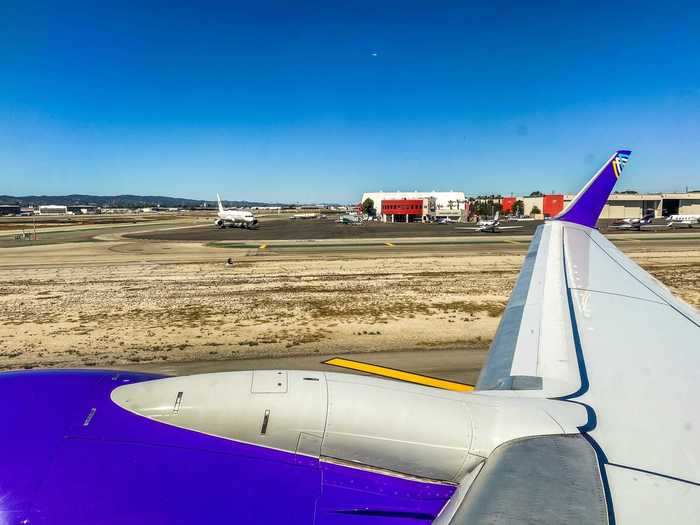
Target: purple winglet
{"points": [[587, 205]]}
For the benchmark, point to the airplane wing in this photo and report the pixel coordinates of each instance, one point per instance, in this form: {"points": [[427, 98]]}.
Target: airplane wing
{"points": [[586, 326]]}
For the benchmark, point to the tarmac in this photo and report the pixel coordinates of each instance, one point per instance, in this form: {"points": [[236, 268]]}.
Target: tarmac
{"points": [[306, 229], [285, 229], [456, 365]]}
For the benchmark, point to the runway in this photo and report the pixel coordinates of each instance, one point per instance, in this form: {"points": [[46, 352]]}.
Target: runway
{"points": [[306, 229], [273, 230]]}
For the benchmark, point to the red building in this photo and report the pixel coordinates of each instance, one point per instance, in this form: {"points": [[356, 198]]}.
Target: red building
{"points": [[407, 210], [507, 204], [552, 205]]}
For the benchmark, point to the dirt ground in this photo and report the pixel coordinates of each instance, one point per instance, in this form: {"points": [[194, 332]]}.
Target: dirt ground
{"points": [[111, 303]]}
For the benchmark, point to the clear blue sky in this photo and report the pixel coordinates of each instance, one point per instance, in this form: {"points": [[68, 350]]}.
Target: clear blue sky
{"points": [[298, 101]]}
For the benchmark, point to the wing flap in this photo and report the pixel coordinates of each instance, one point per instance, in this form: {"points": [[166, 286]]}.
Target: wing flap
{"points": [[496, 375], [533, 348], [519, 479]]}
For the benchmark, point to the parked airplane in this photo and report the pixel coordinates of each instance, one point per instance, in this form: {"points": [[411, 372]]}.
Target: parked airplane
{"points": [[585, 412], [490, 226], [350, 219], [302, 216], [633, 224], [688, 220], [234, 218]]}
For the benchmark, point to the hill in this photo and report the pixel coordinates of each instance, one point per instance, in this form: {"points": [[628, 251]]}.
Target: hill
{"points": [[120, 201]]}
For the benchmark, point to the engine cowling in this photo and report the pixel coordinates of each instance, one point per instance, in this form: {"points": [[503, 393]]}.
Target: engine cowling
{"points": [[367, 421]]}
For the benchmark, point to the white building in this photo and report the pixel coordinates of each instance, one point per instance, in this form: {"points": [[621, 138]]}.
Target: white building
{"points": [[53, 209], [630, 205], [622, 205], [447, 203]]}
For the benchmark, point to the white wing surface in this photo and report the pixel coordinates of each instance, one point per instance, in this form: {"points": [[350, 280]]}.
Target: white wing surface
{"points": [[586, 325]]}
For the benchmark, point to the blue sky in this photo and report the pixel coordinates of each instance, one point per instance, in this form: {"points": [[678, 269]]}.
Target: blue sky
{"points": [[287, 100]]}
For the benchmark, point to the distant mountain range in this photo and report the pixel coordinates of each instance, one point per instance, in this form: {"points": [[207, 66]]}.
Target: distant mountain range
{"points": [[121, 201]]}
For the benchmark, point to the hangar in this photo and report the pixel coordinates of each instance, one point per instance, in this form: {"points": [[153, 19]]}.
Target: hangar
{"points": [[52, 209], [10, 209], [408, 210], [83, 209], [619, 205], [455, 205], [450, 204]]}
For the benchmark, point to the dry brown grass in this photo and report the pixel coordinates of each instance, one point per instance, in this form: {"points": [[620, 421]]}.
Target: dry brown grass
{"points": [[112, 314]]}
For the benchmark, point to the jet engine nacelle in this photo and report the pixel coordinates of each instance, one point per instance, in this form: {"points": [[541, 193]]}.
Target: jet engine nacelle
{"points": [[378, 423]]}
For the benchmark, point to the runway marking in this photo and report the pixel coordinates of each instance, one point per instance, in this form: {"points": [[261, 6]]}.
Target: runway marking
{"points": [[262, 247], [399, 374], [389, 244]]}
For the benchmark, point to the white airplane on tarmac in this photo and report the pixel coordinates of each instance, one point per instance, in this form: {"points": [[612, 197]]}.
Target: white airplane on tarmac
{"points": [[350, 218], [234, 218], [304, 216], [490, 226], [635, 224], [687, 220]]}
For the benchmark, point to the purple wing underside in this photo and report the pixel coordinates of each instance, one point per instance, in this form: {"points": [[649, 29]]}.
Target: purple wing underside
{"points": [[70, 455]]}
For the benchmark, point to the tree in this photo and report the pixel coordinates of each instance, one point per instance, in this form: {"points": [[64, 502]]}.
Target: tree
{"points": [[537, 193], [485, 208], [535, 211], [368, 207], [518, 208]]}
